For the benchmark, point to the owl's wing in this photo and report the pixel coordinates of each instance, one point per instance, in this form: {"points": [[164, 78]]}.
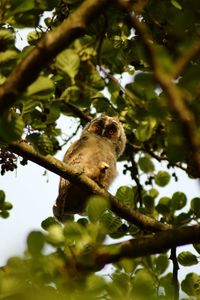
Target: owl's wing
{"points": [[70, 197]]}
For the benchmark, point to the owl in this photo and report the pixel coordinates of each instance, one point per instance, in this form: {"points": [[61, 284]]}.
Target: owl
{"points": [[95, 153]]}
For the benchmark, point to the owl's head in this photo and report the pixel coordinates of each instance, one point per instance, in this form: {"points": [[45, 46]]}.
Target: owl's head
{"points": [[109, 128]]}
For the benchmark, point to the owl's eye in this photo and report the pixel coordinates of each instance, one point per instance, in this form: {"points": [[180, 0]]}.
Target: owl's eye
{"points": [[111, 130], [97, 127]]}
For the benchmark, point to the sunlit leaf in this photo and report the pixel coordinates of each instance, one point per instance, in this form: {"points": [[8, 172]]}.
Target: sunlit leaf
{"points": [[162, 178], [11, 126], [179, 200], [42, 85], [126, 195], [73, 231], [22, 6], [145, 129], [111, 222], [176, 4], [96, 207], [186, 258], [191, 284], [146, 164], [68, 61], [35, 242], [7, 56], [163, 206]]}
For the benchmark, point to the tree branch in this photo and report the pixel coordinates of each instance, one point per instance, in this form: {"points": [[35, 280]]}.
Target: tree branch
{"points": [[174, 97], [175, 282], [160, 242], [47, 48], [76, 176], [184, 60]]}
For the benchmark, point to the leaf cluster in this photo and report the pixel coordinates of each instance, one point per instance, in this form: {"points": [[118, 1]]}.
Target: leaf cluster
{"points": [[109, 70]]}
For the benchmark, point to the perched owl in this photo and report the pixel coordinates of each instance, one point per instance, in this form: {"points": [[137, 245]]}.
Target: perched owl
{"points": [[101, 143]]}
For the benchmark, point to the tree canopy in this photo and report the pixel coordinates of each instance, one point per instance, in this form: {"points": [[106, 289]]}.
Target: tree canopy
{"points": [[75, 60]]}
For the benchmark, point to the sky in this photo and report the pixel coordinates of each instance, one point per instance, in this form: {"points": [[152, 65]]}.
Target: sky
{"points": [[33, 196]]}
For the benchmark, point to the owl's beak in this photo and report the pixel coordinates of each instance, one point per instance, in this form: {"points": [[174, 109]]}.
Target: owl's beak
{"points": [[103, 131]]}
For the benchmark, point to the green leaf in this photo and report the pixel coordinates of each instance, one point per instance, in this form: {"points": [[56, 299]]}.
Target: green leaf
{"points": [[144, 282], [41, 142], [162, 178], [42, 86], [55, 235], [111, 222], [22, 6], [164, 205], [48, 222], [45, 145], [95, 284], [179, 200], [191, 284], [29, 105], [7, 205], [146, 164], [73, 231], [145, 129], [182, 219], [126, 195], [68, 61], [11, 126], [2, 196], [72, 93], [7, 37], [186, 258], [197, 247], [153, 193], [35, 242], [7, 56], [195, 206], [96, 206], [4, 214], [176, 4], [148, 202], [161, 263], [33, 37]]}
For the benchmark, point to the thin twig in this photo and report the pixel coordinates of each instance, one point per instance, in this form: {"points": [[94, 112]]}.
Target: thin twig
{"points": [[175, 273]]}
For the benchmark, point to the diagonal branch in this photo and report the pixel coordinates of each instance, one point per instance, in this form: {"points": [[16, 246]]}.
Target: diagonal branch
{"points": [[158, 243], [76, 176], [174, 97], [47, 48], [184, 60]]}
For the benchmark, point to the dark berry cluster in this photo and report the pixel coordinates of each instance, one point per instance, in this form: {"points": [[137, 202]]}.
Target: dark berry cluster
{"points": [[8, 161]]}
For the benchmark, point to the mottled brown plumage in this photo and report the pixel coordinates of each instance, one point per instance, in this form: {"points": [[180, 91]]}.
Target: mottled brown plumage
{"points": [[101, 143]]}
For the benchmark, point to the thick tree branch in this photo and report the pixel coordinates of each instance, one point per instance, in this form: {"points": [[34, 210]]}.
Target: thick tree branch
{"points": [[78, 177], [134, 248], [174, 97], [47, 48]]}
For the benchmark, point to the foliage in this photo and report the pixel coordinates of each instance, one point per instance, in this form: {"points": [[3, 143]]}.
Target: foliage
{"points": [[83, 81]]}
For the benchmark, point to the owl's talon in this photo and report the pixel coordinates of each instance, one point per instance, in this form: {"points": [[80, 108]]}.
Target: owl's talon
{"points": [[103, 166]]}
